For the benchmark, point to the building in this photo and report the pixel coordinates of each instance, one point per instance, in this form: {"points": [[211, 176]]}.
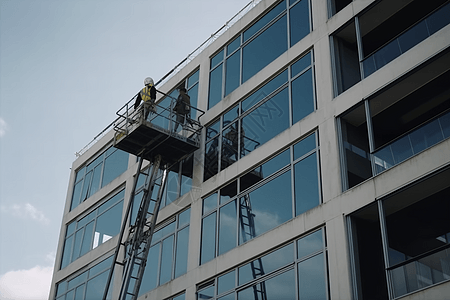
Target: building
{"points": [[323, 171]]}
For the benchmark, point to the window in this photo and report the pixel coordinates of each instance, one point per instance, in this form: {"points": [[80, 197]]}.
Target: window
{"points": [[104, 169], [261, 199], [88, 285], [410, 228], [336, 6], [167, 258], [273, 275], [380, 34], [281, 102], [257, 47], [92, 230], [407, 117]]}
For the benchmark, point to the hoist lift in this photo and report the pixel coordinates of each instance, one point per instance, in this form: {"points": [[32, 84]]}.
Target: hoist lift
{"points": [[149, 134]]}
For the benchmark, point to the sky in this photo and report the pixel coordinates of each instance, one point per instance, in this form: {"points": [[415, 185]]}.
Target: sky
{"points": [[66, 67]]}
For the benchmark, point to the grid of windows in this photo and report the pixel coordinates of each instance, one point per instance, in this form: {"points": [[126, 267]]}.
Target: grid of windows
{"points": [[167, 258], [295, 271], [90, 231], [283, 26], [273, 193], [95, 175], [281, 102]]}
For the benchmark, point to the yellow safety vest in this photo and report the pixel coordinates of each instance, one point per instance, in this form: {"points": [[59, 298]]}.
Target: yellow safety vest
{"points": [[145, 93]]}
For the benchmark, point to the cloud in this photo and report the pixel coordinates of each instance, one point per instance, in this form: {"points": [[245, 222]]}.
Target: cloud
{"points": [[26, 211], [32, 284], [3, 127]]}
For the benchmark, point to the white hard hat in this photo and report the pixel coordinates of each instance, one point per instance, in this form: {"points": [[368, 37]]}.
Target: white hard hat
{"points": [[148, 80]]}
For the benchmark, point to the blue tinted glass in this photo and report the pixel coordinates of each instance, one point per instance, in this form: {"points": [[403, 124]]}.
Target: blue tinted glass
{"points": [[228, 192], [266, 207], [306, 184], [230, 145], [87, 245], [445, 124], [265, 122], [166, 260], [216, 59], [77, 244], [207, 293], [193, 93], [95, 287], [184, 218], [265, 170], [70, 228], [266, 264], [299, 21], [108, 224], [115, 165], [227, 227], [180, 297], [110, 202], [211, 158], [302, 96], [171, 187], [100, 267], [77, 280], [95, 180], [227, 297], [301, 64], [226, 282], [76, 195], [208, 238], [215, 86], [439, 19], [233, 45], [182, 252], [66, 252], [311, 278], [265, 48], [309, 244], [279, 287], [149, 280], [387, 54], [86, 186], [232, 72], [426, 136], [413, 36], [192, 80], [304, 146], [264, 91], [401, 149], [209, 203], [79, 292], [383, 159], [369, 65], [231, 115], [265, 20]]}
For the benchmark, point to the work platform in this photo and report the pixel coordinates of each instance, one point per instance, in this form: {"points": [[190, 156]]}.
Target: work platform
{"points": [[148, 132]]}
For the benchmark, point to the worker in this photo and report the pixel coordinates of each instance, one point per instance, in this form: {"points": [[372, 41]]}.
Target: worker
{"points": [[148, 95], [182, 108]]}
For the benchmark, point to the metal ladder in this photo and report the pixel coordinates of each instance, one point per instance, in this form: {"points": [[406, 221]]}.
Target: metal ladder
{"points": [[137, 244], [248, 230]]}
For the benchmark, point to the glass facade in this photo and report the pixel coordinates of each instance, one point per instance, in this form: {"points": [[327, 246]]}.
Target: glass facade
{"points": [[257, 47], [262, 199]]}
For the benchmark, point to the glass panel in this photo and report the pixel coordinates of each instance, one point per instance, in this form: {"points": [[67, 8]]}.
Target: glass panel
{"points": [[369, 66], [413, 36], [180, 297], [209, 203], [70, 228], [108, 225], [207, 293], [166, 260], [100, 267], [445, 123], [302, 96], [231, 115], [426, 136], [77, 280], [227, 227], [226, 282], [384, 159], [66, 252], [215, 86], [265, 20], [266, 264], [211, 158], [69, 295], [270, 44], [171, 187], [306, 184], [265, 122], [216, 59], [193, 93], [401, 149], [95, 185], [115, 164], [387, 54], [76, 195], [311, 278], [86, 245], [227, 297], [184, 218], [95, 287], [77, 245], [233, 45], [309, 244], [230, 145], [264, 91], [301, 65], [299, 21], [267, 207], [232, 74], [212, 130], [86, 186], [182, 252], [279, 287], [439, 19], [164, 232], [305, 146], [228, 192], [149, 281], [193, 79], [79, 293], [208, 238]]}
